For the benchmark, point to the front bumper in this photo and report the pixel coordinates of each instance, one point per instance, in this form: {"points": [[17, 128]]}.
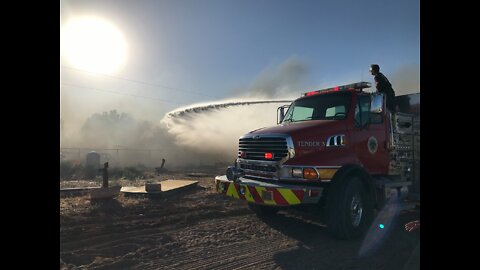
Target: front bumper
{"points": [[273, 194]]}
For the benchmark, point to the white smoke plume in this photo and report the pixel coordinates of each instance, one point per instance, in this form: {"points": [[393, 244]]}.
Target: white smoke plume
{"points": [[196, 135], [216, 127], [286, 80], [406, 80], [217, 130]]}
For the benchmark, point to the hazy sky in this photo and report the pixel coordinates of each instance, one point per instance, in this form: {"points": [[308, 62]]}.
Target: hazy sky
{"points": [[187, 51]]}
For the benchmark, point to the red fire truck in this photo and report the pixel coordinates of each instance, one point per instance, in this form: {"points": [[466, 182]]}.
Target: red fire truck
{"points": [[336, 149]]}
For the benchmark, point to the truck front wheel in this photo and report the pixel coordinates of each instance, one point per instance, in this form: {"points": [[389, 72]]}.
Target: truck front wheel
{"points": [[349, 208], [263, 211]]}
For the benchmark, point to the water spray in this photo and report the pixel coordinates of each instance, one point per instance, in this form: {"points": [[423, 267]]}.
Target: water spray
{"points": [[210, 107]]}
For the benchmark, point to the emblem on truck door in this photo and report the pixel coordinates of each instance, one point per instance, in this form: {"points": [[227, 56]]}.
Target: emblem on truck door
{"points": [[372, 145]]}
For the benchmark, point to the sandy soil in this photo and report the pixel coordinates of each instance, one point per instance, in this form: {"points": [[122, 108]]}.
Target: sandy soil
{"points": [[200, 229]]}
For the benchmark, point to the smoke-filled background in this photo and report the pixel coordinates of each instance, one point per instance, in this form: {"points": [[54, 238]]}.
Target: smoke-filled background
{"points": [[199, 134], [184, 136], [182, 81]]}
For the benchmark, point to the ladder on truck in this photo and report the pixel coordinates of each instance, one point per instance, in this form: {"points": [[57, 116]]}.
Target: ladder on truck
{"points": [[405, 153]]}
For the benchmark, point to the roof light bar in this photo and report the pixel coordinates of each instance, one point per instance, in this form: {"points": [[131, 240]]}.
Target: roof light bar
{"points": [[353, 86]]}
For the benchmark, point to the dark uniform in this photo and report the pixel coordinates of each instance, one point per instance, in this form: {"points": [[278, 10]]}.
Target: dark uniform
{"points": [[384, 86]]}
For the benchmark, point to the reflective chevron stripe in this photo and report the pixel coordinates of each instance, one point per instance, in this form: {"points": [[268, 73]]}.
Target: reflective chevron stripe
{"points": [[240, 195], [231, 191], [289, 196], [255, 194]]}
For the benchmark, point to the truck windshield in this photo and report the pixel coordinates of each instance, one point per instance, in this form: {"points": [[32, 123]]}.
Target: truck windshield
{"points": [[332, 106]]}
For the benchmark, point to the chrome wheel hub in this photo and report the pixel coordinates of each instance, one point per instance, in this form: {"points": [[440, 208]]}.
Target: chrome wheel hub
{"points": [[356, 210]]}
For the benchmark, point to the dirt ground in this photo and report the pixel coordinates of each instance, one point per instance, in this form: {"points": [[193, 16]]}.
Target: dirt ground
{"points": [[200, 229]]}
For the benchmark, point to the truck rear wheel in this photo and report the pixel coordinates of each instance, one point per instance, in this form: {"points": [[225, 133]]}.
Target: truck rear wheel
{"points": [[349, 208], [263, 211]]}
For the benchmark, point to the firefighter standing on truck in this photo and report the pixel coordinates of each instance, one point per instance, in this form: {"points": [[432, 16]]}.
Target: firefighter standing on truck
{"points": [[384, 86]]}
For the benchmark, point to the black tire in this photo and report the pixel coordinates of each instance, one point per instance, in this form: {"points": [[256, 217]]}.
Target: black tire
{"points": [[263, 211], [349, 208]]}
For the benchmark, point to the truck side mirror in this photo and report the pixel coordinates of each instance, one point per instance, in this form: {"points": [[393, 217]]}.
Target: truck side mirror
{"points": [[376, 105], [281, 113]]}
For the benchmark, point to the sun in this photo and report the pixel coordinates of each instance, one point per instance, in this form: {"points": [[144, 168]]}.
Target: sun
{"points": [[93, 44]]}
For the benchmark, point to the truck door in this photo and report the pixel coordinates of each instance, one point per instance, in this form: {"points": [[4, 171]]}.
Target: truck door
{"points": [[369, 136]]}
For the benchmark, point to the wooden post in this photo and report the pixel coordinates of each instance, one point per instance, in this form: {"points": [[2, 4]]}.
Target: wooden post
{"points": [[105, 192], [163, 163], [158, 170], [105, 175]]}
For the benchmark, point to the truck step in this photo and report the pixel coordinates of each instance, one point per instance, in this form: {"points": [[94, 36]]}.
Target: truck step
{"points": [[403, 206], [398, 184]]}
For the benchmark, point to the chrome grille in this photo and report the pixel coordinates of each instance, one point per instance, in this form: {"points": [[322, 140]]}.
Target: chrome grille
{"points": [[255, 148]]}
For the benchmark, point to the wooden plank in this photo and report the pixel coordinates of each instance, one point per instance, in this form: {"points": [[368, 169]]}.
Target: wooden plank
{"points": [[134, 189], [169, 185]]}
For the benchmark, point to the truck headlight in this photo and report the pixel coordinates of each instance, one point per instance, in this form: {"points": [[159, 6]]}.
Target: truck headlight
{"points": [[297, 172]]}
